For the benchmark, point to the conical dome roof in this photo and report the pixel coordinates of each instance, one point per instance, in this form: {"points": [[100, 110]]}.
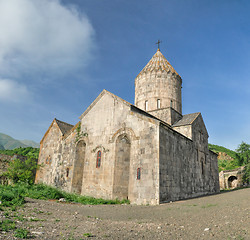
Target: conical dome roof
{"points": [[158, 63]]}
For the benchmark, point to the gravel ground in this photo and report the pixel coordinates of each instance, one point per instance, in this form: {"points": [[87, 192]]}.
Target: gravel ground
{"points": [[221, 216]]}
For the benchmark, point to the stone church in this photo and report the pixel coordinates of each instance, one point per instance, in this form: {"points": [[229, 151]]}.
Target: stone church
{"points": [[148, 152]]}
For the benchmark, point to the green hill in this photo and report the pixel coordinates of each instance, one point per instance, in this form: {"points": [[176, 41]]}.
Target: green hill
{"points": [[30, 143], [238, 158], [7, 142], [217, 149]]}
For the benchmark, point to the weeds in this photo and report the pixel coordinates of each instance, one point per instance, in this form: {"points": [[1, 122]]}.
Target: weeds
{"points": [[22, 233], [209, 205], [13, 196], [87, 235], [7, 225]]}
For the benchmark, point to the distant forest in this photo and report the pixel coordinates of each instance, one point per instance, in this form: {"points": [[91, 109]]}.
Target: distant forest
{"points": [[28, 152], [241, 157]]}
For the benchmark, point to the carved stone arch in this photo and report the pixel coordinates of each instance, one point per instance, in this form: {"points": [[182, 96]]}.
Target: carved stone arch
{"points": [[125, 130], [232, 181], [84, 138], [122, 137], [122, 166]]}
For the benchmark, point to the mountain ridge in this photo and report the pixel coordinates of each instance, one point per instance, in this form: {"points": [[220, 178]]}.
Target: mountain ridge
{"points": [[7, 142]]}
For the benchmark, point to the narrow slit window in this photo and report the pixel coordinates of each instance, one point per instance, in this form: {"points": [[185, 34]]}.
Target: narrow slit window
{"points": [[138, 177], [146, 105], [98, 160], [67, 172], [158, 103]]}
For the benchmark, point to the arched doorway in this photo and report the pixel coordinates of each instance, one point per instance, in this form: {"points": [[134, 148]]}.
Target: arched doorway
{"points": [[78, 167], [122, 165], [232, 182]]}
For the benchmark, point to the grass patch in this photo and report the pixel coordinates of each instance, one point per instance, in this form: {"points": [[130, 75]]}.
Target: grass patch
{"points": [[13, 195], [208, 205], [22, 233], [7, 225], [10, 197], [87, 235]]}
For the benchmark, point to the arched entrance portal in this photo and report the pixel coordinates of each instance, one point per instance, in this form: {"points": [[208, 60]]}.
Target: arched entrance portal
{"points": [[232, 182], [78, 167], [122, 165]]}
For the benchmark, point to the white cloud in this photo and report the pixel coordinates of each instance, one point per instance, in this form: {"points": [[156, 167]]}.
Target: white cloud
{"points": [[42, 35], [12, 91]]}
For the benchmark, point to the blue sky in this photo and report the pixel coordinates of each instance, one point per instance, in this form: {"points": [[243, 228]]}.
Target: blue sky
{"points": [[57, 56]]}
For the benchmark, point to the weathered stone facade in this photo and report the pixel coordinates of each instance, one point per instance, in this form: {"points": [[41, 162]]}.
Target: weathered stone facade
{"points": [[230, 179], [148, 152]]}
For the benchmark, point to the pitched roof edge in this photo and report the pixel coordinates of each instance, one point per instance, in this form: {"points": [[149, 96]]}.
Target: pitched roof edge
{"points": [[168, 126], [71, 130], [190, 123], [104, 91], [46, 133], [172, 70]]}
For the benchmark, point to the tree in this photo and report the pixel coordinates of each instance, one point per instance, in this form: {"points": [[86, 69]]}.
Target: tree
{"points": [[246, 175], [22, 171], [244, 153]]}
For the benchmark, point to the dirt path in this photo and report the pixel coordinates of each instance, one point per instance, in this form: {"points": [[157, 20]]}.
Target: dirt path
{"points": [[222, 216]]}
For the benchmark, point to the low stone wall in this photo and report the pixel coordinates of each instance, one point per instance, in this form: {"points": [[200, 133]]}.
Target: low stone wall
{"points": [[230, 179]]}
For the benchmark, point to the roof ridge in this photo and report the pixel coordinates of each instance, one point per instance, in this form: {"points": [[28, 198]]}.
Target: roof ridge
{"points": [[187, 119], [98, 98], [158, 63], [63, 122], [63, 126]]}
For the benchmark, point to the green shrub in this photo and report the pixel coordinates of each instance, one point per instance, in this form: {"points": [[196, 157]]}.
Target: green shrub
{"points": [[10, 197], [21, 171]]}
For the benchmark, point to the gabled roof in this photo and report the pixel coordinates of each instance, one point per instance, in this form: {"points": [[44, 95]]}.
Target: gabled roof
{"points": [[132, 107], [158, 63], [63, 126], [187, 119], [104, 91]]}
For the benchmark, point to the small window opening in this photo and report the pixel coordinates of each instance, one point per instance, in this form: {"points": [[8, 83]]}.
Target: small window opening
{"points": [[98, 160], [138, 174], [146, 105], [67, 172], [171, 103], [48, 160], [158, 103]]}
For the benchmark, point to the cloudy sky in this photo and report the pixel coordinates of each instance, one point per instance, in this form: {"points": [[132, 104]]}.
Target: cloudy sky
{"points": [[57, 56]]}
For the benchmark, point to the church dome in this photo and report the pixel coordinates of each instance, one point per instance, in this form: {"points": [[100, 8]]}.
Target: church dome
{"points": [[158, 86], [158, 63]]}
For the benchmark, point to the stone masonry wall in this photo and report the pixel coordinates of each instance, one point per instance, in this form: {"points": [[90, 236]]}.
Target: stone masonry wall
{"points": [[50, 156], [182, 172], [164, 86], [168, 115], [118, 119]]}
